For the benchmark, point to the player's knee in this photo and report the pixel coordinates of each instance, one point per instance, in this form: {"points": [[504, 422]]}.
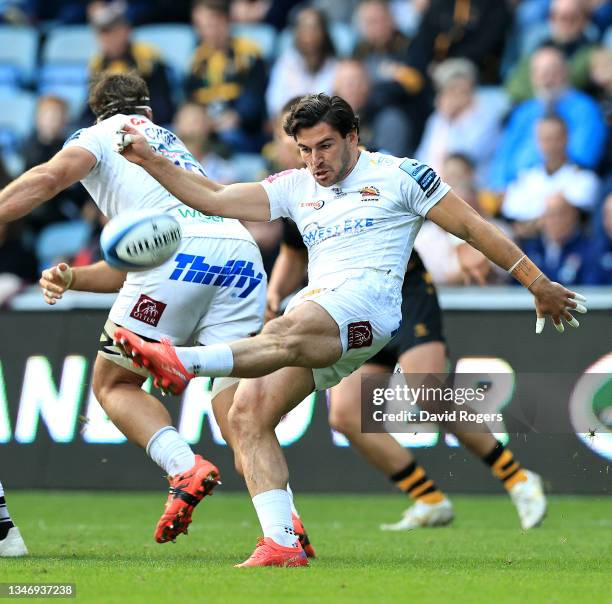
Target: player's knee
{"points": [[248, 415], [344, 420]]}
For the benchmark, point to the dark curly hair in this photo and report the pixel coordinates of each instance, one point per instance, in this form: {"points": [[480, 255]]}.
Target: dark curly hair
{"points": [[110, 94], [314, 109]]}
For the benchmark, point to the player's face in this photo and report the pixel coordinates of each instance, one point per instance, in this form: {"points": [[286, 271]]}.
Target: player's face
{"points": [[327, 155]]}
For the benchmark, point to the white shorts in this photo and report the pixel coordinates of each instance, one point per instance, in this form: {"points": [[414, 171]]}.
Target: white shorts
{"points": [[367, 309], [213, 290]]}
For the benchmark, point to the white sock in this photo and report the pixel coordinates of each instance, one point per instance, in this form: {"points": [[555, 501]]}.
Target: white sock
{"points": [[170, 452], [274, 512], [216, 360], [293, 508]]}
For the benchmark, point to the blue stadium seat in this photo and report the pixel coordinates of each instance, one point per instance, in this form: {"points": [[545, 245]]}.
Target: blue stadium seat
{"points": [[69, 44], [17, 109], [249, 167], [75, 96], [18, 47], [262, 34], [343, 36], [175, 43], [61, 240]]}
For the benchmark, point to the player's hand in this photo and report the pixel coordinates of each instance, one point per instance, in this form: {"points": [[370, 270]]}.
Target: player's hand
{"points": [[55, 281], [273, 302], [556, 301], [475, 266], [132, 145]]}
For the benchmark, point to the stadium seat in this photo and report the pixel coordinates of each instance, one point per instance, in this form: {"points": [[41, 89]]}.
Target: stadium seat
{"points": [[18, 48], [175, 43], [343, 36], [17, 109], [61, 240], [261, 34], [74, 94], [69, 44]]}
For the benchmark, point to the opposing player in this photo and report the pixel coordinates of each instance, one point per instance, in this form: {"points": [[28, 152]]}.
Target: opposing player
{"points": [[358, 213], [212, 291], [419, 348], [12, 544]]}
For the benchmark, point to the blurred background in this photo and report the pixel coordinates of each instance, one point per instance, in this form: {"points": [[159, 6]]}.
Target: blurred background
{"points": [[510, 101]]}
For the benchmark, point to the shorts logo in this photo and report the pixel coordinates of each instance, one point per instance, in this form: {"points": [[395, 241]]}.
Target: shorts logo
{"points": [[147, 310], [235, 273], [316, 205], [360, 335], [369, 192]]}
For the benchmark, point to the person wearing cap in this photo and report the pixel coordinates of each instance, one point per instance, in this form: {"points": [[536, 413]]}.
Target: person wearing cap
{"points": [[120, 54]]}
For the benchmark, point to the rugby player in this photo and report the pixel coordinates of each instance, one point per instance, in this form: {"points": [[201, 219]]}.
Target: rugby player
{"points": [[418, 348], [12, 544], [183, 300], [358, 213]]}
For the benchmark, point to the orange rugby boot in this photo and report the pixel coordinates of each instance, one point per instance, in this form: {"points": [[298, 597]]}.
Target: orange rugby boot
{"points": [[269, 553], [300, 531]]}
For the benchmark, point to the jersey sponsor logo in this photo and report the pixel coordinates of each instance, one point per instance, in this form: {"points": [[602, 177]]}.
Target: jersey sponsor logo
{"points": [[147, 310], [138, 121], [338, 192], [433, 187], [235, 273], [369, 192], [359, 335], [314, 234], [315, 205], [192, 213], [274, 177]]}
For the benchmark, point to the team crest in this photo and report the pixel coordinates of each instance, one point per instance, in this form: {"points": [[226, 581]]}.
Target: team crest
{"points": [[360, 335], [369, 192]]}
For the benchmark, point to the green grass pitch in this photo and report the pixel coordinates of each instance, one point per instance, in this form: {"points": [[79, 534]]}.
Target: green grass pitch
{"points": [[103, 543]]}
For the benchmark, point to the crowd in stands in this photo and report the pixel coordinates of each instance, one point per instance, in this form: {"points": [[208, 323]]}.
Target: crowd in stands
{"points": [[510, 101]]}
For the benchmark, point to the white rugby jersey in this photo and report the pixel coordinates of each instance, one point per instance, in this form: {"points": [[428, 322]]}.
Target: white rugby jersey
{"points": [[369, 220], [117, 185]]}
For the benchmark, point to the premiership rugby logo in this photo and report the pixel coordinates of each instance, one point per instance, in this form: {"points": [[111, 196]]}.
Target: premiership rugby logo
{"points": [[315, 205]]}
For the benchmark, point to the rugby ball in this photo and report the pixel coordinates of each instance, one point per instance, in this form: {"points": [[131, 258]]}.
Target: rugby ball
{"points": [[139, 241]]}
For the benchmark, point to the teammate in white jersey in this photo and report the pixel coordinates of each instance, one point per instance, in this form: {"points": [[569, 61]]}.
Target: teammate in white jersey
{"points": [[358, 214], [192, 298]]}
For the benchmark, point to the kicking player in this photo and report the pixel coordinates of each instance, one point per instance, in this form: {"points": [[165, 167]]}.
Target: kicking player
{"points": [[183, 300], [418, 348], [12, 544], [358, 213]]}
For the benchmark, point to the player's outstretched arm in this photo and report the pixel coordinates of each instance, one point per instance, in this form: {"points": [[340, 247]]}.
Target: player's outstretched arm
{"points": [[99, 278], [551, 299], [246, 201], [43, 182]]}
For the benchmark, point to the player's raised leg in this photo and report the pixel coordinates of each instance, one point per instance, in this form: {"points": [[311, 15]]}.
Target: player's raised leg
{"points": [[11, 541]]}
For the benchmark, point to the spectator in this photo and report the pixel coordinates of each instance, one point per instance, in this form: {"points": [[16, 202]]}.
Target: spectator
{"points": [[228, 76], [472, 29], [47, 139], [461, 121], [338, 11], [447, 257], [193, 126], [273, 12], [561, 250], [17, 262], [601, 76], [398, 97], [118, 54], [526, 197], [599, 264], [309, 66], [586, 128], [568, 21]]}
